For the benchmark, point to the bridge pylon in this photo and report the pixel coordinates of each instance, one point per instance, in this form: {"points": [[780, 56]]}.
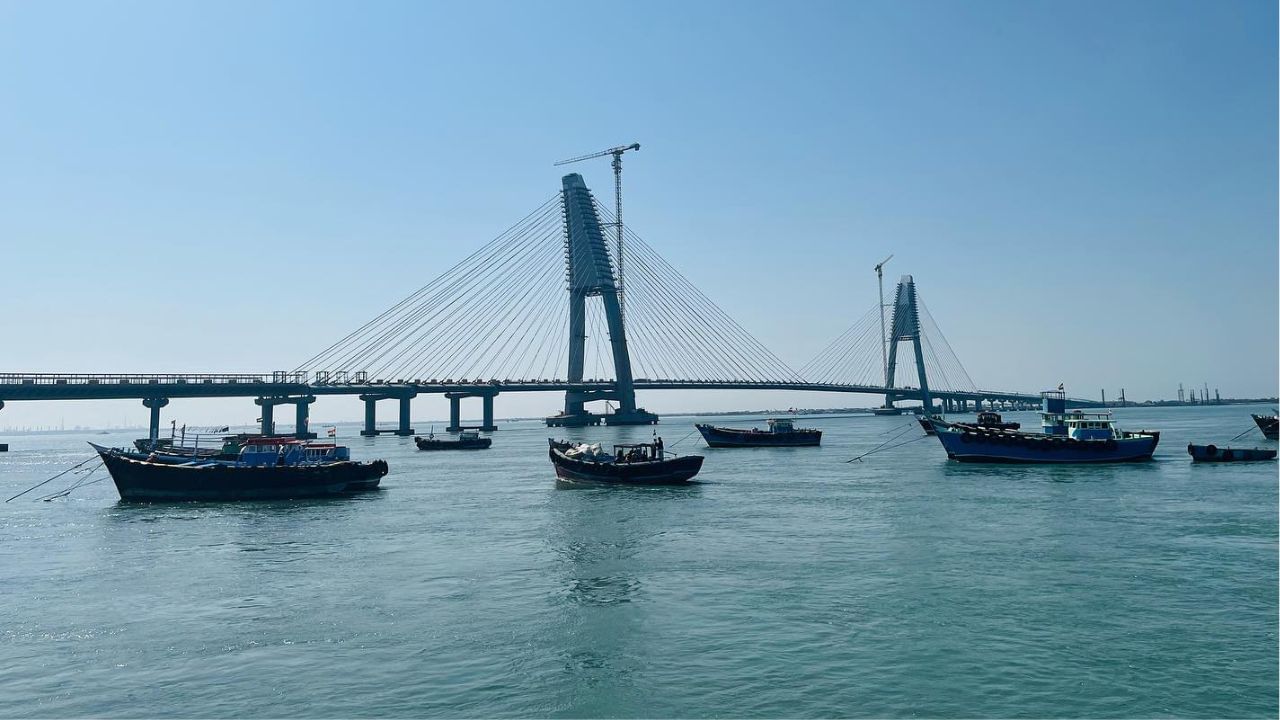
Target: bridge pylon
{"points": [[906, 326], [589, 270]]}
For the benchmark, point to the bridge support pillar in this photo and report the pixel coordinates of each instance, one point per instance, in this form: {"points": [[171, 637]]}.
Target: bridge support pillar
{"points": [[455, 409], [301, 404], [404, 430], [154, 404], [371, 412], [370, 417], [268, 417], [302, 418], [455, 413]]}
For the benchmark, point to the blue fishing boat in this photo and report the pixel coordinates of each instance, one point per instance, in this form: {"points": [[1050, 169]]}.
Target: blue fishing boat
{"points": [[1067, 437]]}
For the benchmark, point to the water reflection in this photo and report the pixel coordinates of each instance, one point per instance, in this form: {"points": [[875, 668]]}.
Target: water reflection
{"points": [[1056, 473]]}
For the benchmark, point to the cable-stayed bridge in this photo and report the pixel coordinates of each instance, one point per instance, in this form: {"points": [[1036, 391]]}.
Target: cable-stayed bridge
{"points": [[498, 322]]}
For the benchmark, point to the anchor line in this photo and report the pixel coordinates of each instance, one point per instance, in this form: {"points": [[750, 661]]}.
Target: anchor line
{"points": [[891, 447], [888, 440], [82, 482], [1247, 430], [55, 477], [686, 437]]}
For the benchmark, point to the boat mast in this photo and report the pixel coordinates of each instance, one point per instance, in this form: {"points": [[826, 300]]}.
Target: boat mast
{"points": [[884, 358]]}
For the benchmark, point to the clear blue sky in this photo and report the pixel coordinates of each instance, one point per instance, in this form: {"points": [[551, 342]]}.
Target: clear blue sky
{"points": [[1085, 192]]}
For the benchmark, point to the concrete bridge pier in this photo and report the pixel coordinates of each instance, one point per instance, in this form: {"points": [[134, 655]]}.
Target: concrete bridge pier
{"points": [[370, 416], [403, 428], [267, 418], [154, 404], [302, 418], [302, 404], [455, 410]]}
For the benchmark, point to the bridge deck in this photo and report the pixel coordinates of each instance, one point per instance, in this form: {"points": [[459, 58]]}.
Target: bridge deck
{"points": [[49, 386]]}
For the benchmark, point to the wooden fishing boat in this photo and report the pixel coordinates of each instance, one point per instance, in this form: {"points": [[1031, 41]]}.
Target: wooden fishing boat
{"points": [[1213, 453], [1269, 425], [633, 464], [781, 433], [269, 469], [467, 440]]}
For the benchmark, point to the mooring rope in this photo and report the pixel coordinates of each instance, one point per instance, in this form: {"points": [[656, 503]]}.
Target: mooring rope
{"points": [[888, 440], [55, 477]]}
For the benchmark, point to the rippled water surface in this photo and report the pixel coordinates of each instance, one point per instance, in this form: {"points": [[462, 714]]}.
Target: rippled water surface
{"points": [[786, 583]]}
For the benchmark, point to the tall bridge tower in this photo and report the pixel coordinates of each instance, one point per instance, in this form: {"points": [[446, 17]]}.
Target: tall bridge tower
{"points": [[589, 271], [906, 326]]}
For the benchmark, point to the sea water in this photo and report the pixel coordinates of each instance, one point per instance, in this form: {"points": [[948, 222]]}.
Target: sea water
{"points": [[786, 582]]}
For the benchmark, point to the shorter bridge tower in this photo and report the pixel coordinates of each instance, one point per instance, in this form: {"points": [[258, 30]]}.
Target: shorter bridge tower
{"points": [[906, 326]]}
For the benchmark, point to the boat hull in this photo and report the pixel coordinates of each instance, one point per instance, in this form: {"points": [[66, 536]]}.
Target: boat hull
{"points": [[1213, 453], [718, 437], [1032, 448], [433, 444], [1269, 425], [143, 481], [672, 471]]}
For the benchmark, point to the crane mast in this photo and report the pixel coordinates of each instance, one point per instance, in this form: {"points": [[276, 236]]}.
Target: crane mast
{"points": [[884, 358], [616, 152]]}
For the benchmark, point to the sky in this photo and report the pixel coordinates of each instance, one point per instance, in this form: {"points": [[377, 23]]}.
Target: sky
{"points": [[1084, 192]]}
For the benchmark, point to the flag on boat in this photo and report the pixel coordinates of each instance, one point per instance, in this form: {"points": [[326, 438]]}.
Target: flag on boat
{"points": [[332, 432]]}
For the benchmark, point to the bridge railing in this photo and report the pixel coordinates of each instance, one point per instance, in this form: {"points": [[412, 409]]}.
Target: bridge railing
{"points": [[130, 379]]}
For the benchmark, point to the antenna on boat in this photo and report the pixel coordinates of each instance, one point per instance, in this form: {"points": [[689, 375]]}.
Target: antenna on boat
{"points": [[884, 357]]}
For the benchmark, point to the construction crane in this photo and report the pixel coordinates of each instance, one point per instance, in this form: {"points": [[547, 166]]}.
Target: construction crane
{"points": [[616, 152], [884, 359]]}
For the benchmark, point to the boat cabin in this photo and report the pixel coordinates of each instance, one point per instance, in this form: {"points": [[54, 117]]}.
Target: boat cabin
{"points": [[278, 451], [638, 452], [466, 435], [1090, 426], [781, 425]]}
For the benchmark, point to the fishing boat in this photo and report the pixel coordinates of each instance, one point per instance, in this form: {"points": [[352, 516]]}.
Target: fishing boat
{"points": [[1269, 425], [1067, 437], [467, 440], [265, 468], [1213, 453], [781, 433], [633, 464]]}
